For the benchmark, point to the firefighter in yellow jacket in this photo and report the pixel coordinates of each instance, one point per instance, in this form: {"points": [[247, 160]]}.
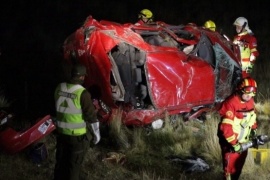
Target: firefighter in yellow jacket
{"points": [[238, 125], [76, 123], [247, 43]]}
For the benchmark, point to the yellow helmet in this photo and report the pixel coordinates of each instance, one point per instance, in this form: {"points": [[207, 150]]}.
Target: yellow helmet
{"points": [[210, 25], [145, 13]]}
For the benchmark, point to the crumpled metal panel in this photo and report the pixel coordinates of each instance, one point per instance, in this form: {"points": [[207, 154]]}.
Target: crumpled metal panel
{"points": [[179, 81]]}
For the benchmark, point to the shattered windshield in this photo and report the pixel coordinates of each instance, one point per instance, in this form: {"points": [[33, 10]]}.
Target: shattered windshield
{"points": [[226, 71]]}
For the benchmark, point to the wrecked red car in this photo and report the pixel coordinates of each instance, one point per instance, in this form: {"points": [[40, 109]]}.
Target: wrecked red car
{"points": [[151, 70]]}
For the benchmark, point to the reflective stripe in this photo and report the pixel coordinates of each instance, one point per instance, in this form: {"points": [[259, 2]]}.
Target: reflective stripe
{"points": [[244, 125], [72, 89], [245, 60], [241, 134], [253, 50], [227, 121], [69, 110], [70, 125], [230, 139]]}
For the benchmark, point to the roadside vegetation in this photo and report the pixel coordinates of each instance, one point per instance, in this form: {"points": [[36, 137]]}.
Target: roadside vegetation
{"points": [[142, 153]]}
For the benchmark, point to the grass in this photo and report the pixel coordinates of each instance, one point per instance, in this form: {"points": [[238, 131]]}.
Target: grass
{"points": [[138, 153]]}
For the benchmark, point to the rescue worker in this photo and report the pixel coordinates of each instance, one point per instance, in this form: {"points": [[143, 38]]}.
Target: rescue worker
{"points": [[210, 25], [145, 16], [238, 125], [76, 124], [247, 43]]}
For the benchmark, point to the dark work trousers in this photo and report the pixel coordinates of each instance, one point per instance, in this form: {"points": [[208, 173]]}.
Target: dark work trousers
{"points": [[70, 153]]}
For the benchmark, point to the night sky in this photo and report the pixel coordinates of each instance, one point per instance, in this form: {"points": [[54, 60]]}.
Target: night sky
{"points": [[32, 33]]}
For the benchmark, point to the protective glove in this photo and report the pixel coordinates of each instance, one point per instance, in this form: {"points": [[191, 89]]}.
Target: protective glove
{"points": [[237, 148], [253, 134], [96, 132], [249, 68], [252, 58]]}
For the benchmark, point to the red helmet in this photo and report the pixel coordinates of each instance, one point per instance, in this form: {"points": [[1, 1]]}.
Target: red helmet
{"points": [[248, 86]]}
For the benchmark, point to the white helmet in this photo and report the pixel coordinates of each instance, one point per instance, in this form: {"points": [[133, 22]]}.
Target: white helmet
{"points": [[243, 22]]}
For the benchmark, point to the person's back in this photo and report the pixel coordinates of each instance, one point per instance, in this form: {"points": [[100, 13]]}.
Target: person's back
{"points": [[76, 125], [247, 43]]}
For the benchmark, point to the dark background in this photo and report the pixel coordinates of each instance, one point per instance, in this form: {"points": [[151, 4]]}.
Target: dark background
{"points": [[32, 33]]}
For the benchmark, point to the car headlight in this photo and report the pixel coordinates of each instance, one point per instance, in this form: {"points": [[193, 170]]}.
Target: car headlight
{"points": [[157, 124]]}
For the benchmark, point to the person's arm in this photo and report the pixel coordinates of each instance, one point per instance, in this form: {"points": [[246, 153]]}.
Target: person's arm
{"points": [[88, 109], [253, 49], [227, 113], [89, 115]]}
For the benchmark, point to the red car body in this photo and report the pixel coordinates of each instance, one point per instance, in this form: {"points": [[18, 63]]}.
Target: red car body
{"points": [[152, 70], [13, 141]]}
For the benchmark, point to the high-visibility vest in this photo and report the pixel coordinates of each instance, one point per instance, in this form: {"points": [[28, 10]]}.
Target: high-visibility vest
{"points": [[242, 126], [243, 41], [68, 108]]}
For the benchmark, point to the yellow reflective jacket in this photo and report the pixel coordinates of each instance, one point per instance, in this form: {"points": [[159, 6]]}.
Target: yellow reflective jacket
{"points": [[68, 108]]}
